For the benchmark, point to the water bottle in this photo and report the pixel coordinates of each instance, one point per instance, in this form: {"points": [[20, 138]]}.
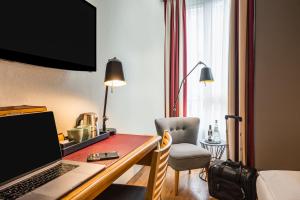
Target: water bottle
{"points": [[210, 134], [216, 134]]}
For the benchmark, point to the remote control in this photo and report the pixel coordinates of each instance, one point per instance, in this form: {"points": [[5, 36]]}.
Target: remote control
{"points": [[102, 156]]}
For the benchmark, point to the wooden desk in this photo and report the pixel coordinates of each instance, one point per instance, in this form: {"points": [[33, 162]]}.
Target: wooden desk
{"points": [[132, 150]]}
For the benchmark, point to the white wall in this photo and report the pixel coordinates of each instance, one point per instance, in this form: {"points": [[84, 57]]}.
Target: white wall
{"points": [[131, 30]]}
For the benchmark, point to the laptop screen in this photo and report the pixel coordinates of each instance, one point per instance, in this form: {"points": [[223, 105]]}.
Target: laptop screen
{"points": [[27, 142]]}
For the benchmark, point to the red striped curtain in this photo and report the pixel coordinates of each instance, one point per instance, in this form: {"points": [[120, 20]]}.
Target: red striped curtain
{"points": [[175, 56], [250, 155], [242, 95]]}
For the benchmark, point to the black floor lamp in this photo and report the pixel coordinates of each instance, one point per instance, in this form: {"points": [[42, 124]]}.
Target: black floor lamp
{"points": [[205, 76], [114, 77]]}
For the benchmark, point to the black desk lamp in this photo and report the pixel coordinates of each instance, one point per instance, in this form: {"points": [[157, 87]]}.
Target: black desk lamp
{"points": [[114, 77], [205, 76]]}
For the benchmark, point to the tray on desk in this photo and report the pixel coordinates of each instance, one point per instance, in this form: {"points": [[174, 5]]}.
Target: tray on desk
{"points": [[70, 149]]}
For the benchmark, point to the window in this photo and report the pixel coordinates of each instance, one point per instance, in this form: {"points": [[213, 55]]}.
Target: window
{"points": [[208, 41]]}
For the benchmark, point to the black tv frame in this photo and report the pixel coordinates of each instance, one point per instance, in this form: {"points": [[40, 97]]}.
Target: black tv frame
{"points": [[51, 62], [44, 62]]}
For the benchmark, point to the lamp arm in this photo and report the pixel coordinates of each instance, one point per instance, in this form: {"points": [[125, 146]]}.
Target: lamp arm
{"points": [[181, 84], [104, 118]]}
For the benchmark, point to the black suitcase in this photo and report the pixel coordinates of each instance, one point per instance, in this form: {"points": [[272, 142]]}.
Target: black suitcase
{"points": [[228, 180]]}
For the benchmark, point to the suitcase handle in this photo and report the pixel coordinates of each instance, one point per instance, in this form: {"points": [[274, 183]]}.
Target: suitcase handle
{"points": [[233, 117], [239, 119]]}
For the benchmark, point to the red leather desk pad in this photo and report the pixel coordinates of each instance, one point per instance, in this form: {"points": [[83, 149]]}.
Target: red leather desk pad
{"points": [[122, 143]]}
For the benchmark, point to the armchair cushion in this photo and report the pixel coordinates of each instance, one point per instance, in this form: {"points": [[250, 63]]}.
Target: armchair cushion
{"points": [[182, 129], [187, 156]]}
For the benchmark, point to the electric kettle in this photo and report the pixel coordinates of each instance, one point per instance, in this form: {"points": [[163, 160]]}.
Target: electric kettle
{"points": [[88, 119]]}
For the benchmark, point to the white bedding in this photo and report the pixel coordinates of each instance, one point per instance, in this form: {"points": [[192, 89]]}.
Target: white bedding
{"points": [[278, 185]]}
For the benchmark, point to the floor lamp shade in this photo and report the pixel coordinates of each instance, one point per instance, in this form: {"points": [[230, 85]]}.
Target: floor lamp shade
{"points": [[114, 75], [206, 75]]}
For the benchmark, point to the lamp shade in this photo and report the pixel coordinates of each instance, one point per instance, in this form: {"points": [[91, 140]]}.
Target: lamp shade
{"points": [[114, 75], [206, 75]]}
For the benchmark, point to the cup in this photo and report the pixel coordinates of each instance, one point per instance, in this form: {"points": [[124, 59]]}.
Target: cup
{"points": [[78, 134], [89, 129]]}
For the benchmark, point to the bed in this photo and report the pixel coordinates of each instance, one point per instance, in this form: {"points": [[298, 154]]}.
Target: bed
{"points": [[278, 185]]}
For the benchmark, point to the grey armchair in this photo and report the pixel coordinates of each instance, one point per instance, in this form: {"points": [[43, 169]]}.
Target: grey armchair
{"points": [[184, 153]]}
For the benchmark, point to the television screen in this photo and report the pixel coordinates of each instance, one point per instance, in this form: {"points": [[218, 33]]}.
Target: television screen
{"points": [[52, 33]]}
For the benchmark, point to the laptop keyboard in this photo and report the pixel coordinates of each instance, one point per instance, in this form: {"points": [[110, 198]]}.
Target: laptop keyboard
{"points": [[27, 185]]}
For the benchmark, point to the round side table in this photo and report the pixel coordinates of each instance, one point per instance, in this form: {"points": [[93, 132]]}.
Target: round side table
{"points": [[216, 149]]}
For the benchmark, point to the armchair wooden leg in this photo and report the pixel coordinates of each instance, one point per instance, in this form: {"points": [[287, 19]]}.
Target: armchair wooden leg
{"points": [[176, 182], [190, 171]]}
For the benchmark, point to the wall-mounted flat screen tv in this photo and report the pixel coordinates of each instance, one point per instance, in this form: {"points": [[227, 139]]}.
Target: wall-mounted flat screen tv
{"points": [[51, 33]]}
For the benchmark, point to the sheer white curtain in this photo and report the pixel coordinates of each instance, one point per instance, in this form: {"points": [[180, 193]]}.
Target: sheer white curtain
{"points": [[208, 41]]}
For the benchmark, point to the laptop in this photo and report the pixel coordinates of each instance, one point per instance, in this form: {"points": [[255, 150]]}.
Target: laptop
{"points": [[31, 160]]}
